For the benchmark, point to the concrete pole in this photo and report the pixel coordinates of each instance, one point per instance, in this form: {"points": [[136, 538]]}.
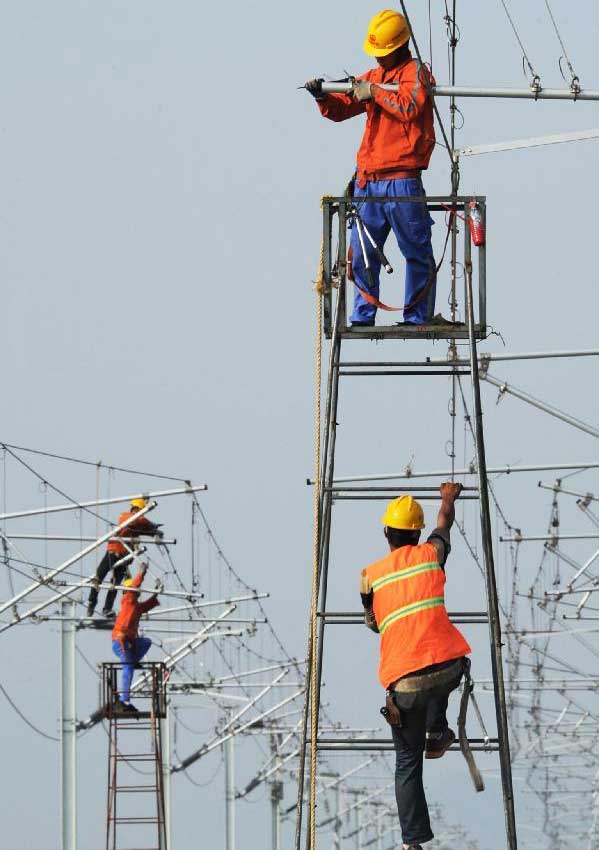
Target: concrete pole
{"points": [[337, 834], [68, 735], [275, 808], [166, 774], [229, 793], [276, 795]]}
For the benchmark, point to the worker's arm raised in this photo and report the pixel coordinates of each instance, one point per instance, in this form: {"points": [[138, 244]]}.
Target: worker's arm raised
{"points": [[149, 603], [138, 578], [445, 519], [144, 526], [367, 597], [409, 101]]}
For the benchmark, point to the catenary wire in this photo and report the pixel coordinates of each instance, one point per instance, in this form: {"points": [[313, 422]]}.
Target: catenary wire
{"points": [[534, 75], [575, 82], [31, 725], [97, 464]]}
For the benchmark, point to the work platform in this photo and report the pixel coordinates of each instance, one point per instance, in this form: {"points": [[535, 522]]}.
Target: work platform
{"points": [[335, 278]]}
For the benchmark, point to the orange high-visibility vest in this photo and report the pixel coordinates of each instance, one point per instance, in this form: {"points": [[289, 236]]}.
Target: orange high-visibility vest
{"points": [[409, 606]]}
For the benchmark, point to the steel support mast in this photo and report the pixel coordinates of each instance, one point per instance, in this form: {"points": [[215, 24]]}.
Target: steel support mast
{"points": [[68, 732]]}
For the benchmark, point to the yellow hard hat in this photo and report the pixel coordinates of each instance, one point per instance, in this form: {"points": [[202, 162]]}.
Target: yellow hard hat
{"points": [[386, 32], [404, 513], [128, 582], [138, 503]]}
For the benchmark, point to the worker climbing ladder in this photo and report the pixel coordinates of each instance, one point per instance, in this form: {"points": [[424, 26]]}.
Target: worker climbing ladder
{"points": [[333, 324], [136, 779]]}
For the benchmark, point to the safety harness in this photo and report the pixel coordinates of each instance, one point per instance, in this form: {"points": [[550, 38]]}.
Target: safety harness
{"points": [[467, 693], [362, 231], [450, 677]]}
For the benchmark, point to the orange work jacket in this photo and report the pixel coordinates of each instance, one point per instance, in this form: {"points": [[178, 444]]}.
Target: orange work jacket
{"points": [[399, 131], [142, 526], [127, 620], [409, 606]]}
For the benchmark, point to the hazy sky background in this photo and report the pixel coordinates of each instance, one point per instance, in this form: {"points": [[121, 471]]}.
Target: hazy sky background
{"points": [[161, 177]]}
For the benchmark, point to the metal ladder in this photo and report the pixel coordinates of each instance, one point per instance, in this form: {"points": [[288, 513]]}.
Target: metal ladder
{"points": [[126, 760], [335, 328]]}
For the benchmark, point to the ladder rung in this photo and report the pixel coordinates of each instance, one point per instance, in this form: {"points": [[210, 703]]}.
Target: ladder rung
{"points": [[488, 745], [416, 489], [335, 618], [398, 364], [130, 789], [368, 497], [405, 372], [132, 820]]}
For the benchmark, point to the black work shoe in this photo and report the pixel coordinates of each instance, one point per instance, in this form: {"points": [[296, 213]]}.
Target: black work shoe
{"points": [[439, 319], [108, 615], [369, 324], [128, 708], [437, 743], [90, 610]]}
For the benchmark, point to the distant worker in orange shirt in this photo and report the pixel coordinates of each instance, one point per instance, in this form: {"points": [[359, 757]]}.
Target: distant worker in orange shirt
{"points": [[115, 551], [422, 654], [126, 644], [398, 141]]}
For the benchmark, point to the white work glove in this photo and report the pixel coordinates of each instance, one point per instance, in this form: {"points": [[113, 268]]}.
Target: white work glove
{"points": [[158, 587], [361, 90]]}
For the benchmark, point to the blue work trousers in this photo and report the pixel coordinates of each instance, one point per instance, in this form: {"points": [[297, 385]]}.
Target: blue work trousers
{"points": [[134, 651], [411, 224]]}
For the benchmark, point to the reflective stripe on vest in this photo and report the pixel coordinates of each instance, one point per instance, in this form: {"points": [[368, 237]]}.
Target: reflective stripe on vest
{"points": [[407, 610], [400, 575]]}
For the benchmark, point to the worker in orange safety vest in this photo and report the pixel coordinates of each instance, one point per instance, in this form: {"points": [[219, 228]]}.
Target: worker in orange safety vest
{"points": [[115, 552], [398, 141], [422, 654], [127, 645]]}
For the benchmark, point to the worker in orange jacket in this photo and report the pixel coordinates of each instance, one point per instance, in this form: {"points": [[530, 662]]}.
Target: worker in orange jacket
{"points": [[397, 145], [422, 654], [126, 643], [115, 552]]}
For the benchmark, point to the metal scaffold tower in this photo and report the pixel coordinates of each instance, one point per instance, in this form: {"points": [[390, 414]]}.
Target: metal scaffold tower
{"points": [[332, 317], [136, 775]]}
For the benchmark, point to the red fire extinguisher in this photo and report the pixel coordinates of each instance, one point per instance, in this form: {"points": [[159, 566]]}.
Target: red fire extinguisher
{"points": [[477, 227]]}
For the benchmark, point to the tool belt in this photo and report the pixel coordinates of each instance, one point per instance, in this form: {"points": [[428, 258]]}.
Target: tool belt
{"points": [[436, 678], [363, 177], [449, 677]]}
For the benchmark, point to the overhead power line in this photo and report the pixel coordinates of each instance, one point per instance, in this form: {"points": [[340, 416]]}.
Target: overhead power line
{"points": [[31, 725]]}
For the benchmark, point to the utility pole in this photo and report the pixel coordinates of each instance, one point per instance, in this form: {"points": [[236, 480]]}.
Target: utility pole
{"points": [[337, 835], [276, 795], [68, 719], [229, 793], [359, 830]]}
